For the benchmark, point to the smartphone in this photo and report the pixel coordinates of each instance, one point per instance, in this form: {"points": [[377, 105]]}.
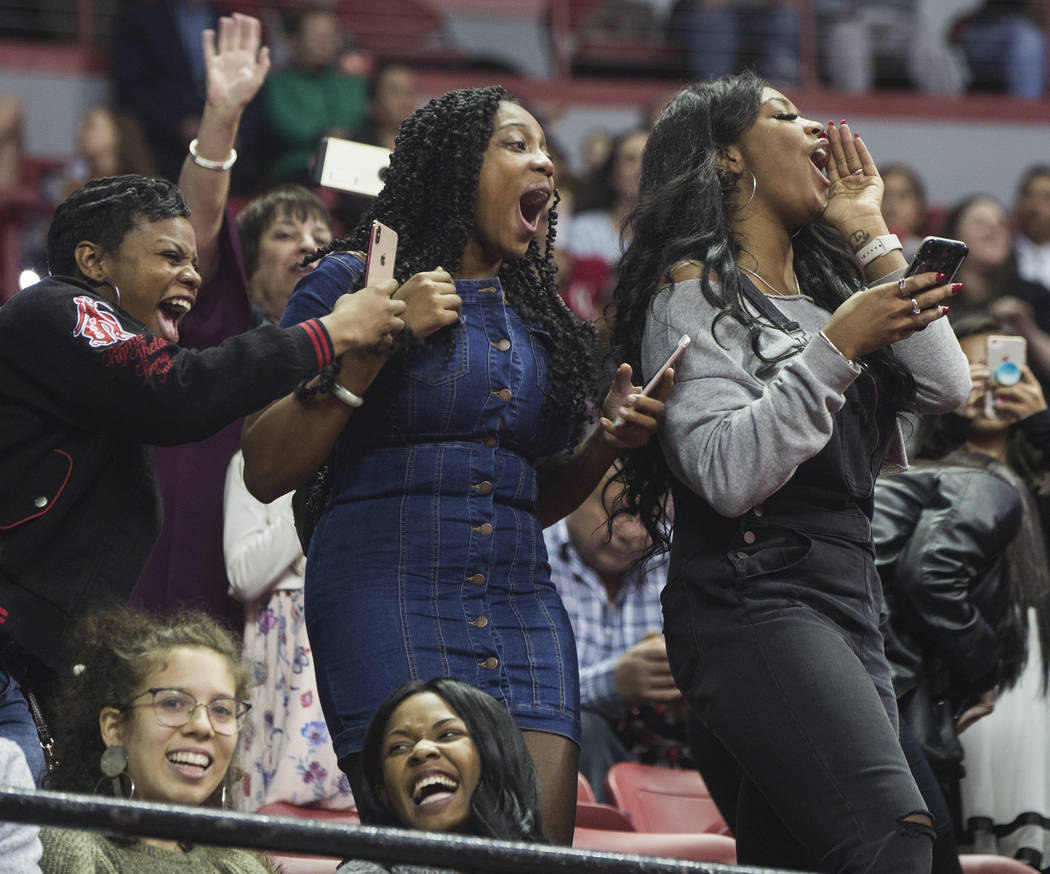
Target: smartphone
{"points": [[938, 255], [382, 249], [1006, 357], [357, 168], [683, 341]]}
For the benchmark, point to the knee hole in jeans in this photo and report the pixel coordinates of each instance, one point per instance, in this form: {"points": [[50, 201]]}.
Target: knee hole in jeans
{"points": [[919, 823]]}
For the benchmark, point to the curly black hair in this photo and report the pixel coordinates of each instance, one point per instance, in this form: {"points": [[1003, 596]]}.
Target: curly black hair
{"points": [[428, 198], [114, 651], [103, 211], [683, 213]]}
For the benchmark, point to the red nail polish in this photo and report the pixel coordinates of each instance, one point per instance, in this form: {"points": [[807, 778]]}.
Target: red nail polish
{"points": [[823, 135], [941, 277], [831, 124], [945, 310], [856, 136], [956, 287], [842, 122]]}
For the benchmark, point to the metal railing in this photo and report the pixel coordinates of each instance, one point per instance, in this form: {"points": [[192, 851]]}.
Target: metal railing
{"points": [[287, 835]]}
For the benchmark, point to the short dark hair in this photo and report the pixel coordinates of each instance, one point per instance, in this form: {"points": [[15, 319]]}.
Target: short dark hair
{"points": [[104, 210], [505, 804], [1030, 173], [290, 199]]}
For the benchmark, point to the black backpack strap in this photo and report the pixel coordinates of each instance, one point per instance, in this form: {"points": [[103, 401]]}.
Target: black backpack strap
{"points": [[766, 307]]}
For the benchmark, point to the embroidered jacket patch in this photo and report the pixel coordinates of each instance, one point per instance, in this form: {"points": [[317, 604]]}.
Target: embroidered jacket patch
{"points": [[96, 321]]}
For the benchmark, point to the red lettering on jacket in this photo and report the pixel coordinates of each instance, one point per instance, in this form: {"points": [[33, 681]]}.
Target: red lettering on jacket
{"points": [[141, 352], [96, 321]]}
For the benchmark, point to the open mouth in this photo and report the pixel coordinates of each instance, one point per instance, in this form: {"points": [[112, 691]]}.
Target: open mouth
{"points": [[433, 788], [171, 312], [820, 158], [193, 764], [531, 204]]}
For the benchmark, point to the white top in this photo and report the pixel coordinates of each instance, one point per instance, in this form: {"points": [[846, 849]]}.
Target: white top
{"points": [[259, 541], [1033, 260], [591, 234], [20, 848]]}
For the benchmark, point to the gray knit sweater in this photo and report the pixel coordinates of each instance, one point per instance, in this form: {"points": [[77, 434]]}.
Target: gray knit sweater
{"points": [[738, 427]]}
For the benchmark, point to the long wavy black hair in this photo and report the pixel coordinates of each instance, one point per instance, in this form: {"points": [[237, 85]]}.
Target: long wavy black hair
{"points": [[505, 804], [685, 203], [428, 198]]}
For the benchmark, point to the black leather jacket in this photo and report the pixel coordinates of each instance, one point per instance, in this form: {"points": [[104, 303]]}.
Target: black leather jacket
{"points": [[940, 537]]}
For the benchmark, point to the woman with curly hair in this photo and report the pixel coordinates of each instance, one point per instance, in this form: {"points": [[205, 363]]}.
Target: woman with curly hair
{"points": [[428, 558], [152, 711], [784, 411]]}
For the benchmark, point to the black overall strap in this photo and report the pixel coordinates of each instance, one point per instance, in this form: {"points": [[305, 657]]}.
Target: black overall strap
{"points": [[766, 307]]}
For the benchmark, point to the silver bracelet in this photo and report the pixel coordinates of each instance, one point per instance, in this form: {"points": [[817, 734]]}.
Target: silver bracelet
{"points": [[346, 396], [838, 352], [207, 163]]}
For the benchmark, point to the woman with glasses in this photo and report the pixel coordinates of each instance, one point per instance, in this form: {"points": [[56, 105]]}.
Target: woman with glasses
{"points": [[151, 711]]}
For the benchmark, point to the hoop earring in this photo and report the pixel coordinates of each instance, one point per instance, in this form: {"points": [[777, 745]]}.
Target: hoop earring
{"points": [[113, 765], [225, 801], [107, 281], [754, 191]]}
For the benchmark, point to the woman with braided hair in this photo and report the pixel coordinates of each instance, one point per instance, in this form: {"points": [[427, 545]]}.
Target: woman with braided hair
{"points": [[428, 558]]}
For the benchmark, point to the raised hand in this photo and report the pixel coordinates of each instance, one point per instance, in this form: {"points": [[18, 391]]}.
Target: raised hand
{"points": [[235, 61], [856, 186]]}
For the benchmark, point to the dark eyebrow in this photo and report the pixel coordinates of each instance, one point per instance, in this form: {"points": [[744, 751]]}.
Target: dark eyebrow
{"points": [[782, 102]]}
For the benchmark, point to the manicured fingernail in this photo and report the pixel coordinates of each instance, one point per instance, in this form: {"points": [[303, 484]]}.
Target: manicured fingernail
{"points": [[956, 287], [831, 124], [856, 136], [823, 135], [941, 277], [842, 122], [945, 310]]}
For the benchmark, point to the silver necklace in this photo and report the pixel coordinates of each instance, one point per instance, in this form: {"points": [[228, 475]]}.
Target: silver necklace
{"points": [[798, 288]]}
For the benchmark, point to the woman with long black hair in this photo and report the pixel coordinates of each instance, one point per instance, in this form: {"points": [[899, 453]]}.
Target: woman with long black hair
{"points": [[784, 410], [428, 558]]}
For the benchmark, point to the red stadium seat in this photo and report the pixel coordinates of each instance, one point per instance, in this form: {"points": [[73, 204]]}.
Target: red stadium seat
{"points": [[664, 799], [694, 848], [584, 792], [592, 814]]}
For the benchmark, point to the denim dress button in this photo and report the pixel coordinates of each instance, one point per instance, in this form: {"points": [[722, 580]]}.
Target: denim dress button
{"points": [[749, 537], [503, 394], [476, 579], [484, 487], [491, 663], [480, 622], [484, 528], [503, 345], [490, 442]]}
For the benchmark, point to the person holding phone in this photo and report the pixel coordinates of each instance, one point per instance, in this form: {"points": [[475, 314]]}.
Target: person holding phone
{"points": [[1005, 793], [756, 230], [448, 458]]}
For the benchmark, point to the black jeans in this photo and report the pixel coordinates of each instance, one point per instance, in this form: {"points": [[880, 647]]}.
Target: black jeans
{"points": [[775, 644]]}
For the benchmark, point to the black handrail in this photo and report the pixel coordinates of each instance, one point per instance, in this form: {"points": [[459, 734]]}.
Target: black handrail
{"points": [[288, 835]]}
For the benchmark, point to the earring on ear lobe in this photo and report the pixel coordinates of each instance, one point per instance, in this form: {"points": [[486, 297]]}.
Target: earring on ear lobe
{"points": [[754, 190], [113, 765], [105, 280]]}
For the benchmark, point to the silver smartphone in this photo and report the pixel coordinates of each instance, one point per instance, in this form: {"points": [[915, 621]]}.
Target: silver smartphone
{"points": [[344, 165]]}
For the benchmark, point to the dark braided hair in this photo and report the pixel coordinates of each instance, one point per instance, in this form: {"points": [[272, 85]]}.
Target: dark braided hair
{"points": [[683, 213], [103, 211], [428, 198]]}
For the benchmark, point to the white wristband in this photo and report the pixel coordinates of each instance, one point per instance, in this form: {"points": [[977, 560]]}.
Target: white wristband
{"points": [[878, 247], [209, 164], [346, 396]]}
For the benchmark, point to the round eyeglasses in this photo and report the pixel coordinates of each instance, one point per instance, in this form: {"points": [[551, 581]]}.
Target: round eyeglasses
{"points": [[175, 707]]}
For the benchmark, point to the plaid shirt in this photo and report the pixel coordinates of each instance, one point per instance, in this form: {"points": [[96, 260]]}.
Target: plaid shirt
{"points": [[603, 631]]}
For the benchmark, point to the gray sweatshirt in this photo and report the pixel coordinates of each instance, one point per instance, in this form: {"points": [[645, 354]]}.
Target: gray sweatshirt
{"points": [[738, 427]]}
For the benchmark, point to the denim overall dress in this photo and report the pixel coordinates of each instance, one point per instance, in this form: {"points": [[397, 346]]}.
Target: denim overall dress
{"points": [[772, 626], [429, 558]]}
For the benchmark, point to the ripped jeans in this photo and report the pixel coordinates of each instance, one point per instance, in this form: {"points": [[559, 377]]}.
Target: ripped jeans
{"points": [[775, 644]]}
